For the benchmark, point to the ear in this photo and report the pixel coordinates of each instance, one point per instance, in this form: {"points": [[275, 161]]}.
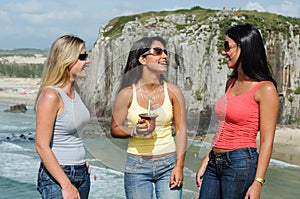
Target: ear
{"points": [[142, 60]]}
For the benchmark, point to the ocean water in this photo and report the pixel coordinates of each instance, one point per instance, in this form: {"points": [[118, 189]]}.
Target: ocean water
{"points": [[19, 164]]}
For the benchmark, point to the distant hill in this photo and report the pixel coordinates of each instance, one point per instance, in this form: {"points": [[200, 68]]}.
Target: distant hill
{"points": [[22, 62], [26, 52]]}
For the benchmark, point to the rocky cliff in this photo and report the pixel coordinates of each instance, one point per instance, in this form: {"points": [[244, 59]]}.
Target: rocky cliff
{"points": [[195, 39]]}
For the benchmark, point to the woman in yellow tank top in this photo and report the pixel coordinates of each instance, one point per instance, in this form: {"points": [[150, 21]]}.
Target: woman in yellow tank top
{"points": [[153, 156]]}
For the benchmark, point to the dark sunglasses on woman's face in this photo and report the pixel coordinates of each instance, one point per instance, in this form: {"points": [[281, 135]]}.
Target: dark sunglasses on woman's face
{"points": [[156, 51], [228, 46], [83, 57]]}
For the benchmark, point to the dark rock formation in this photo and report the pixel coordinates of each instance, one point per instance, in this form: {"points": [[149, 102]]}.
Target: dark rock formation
{"points": [[19, 108]]}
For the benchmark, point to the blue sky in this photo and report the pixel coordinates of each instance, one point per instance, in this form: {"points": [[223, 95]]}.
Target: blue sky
{"points": [[37, 23]]}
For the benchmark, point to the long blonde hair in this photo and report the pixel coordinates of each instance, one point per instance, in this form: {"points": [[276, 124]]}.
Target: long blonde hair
{"points": [[63, 53]]}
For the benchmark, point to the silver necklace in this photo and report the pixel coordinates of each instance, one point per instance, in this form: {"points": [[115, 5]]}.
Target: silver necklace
{"points": [[151, 99]]}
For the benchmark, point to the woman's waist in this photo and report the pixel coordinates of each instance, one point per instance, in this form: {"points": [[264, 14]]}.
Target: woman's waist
{"points": [[151, 150], [246, 152], [152, 156]]}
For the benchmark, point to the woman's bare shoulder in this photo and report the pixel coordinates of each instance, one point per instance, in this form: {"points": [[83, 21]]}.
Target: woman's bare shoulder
{"points": [[266, 90], [49, 94], [125, 93]]}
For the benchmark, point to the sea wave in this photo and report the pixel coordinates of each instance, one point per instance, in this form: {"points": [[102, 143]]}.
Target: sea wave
{"points": [[280, 164]]}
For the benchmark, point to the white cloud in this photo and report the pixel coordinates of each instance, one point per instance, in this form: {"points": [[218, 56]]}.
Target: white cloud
{"points": [[286, 8], [30, 7], [255, 6]]}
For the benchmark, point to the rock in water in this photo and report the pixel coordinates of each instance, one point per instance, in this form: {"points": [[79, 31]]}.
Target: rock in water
{"points": [[19, 108]]}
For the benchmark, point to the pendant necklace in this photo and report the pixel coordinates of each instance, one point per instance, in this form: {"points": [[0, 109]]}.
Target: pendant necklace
{"points": [[151, 99]]}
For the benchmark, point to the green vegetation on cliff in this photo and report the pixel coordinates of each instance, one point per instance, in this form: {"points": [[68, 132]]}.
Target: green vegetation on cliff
{"points": [[265, 21]]}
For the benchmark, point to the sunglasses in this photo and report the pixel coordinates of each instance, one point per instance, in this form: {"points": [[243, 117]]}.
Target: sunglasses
{"points": [[156, 51], [227, 46], [82, 57]]}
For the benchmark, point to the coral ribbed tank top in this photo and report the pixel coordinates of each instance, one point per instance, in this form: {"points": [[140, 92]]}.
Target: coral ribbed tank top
{"points": [[238, 120]]}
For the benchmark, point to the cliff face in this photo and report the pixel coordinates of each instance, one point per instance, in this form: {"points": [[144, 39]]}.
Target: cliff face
{"points": [[195, 61]]}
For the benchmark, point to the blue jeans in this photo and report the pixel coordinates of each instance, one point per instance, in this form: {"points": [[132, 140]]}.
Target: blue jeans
{"points": [[229, 175], [142, 173], [50, 189]]}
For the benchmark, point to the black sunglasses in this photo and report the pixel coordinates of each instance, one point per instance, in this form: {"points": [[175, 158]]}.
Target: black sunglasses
{"points": [[155, 51], [83, 57], [227, 47]]}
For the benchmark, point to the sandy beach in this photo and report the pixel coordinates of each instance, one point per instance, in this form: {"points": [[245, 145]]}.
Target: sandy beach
{"points": [[19, 90], [23, 90]]}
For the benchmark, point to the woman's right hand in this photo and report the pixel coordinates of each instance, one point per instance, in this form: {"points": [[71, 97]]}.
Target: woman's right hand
{"points": [[201, 171], [199, 176], [143, 127], [70, 192]]}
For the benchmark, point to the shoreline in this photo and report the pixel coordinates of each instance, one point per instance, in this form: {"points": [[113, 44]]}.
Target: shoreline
{"points": [[19, 90], [14, 91]]}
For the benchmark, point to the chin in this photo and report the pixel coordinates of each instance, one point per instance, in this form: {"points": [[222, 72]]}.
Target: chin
{"points": [[82, 74]]}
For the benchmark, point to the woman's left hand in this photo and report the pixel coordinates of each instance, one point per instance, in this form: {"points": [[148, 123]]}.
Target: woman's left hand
{"points": [[253, 191], [88, 166], [176, 177]]}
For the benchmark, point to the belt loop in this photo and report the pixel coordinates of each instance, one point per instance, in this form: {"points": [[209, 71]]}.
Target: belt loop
{"points": [[73, 171], [228, 156], [250, 153], [211, 154]]}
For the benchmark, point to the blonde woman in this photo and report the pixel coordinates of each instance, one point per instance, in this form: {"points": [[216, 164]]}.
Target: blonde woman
{"points": [[60, 113]]}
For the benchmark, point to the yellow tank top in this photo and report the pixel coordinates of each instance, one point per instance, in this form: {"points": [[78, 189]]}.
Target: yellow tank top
{"points": [[162, 141]]}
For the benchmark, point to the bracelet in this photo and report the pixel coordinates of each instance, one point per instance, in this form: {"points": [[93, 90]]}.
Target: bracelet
{"points": [[133, 133], [260, 180]]}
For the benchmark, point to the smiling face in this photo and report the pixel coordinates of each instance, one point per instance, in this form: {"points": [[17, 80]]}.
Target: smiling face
{"points": [[231, 52], [78, 69], [153, 61]]}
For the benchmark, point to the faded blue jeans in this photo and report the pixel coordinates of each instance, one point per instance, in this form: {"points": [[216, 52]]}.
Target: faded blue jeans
{"points": [[50, 189], [229, 175], [144, 175]]}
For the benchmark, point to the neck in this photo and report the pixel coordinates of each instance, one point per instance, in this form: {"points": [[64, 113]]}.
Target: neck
{"points": [[68, 89], [149, 85]]}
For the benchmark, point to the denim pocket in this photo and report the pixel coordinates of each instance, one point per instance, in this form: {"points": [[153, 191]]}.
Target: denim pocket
{"points": [[237, 163], [47, 186], [132, 164]]}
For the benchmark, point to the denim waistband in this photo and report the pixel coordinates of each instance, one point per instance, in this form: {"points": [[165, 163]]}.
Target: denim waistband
{"points": [[165, 157], [67, 166], [74, 166], [242, 152]]}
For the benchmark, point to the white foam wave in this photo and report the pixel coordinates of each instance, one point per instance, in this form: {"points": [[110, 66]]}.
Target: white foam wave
{"points": [[19, 167], [281, 164], [8, 146], [106, 183]]}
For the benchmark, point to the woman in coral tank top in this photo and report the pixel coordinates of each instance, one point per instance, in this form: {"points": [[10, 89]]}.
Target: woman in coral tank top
{"points": [[233, 168]]}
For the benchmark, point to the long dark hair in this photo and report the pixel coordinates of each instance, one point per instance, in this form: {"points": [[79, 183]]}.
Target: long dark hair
{"points": [[253, 55], [133, 70]]}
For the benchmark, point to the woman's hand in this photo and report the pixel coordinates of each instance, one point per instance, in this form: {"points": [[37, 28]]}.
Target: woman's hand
{"points": [[201, 171], [88, 166], [142, 127], [254, 191], [176, 179], [199, 176], [70, 192]]}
